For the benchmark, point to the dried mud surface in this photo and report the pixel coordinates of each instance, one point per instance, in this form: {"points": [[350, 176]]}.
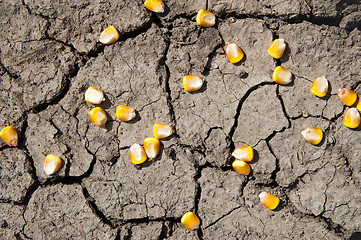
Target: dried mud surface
{"points": [[49, 56]]}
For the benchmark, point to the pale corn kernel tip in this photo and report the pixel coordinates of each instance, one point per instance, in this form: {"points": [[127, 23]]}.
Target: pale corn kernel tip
{"points": [[205, 18], [94, 95], [282, 75], [156, 6], [109, 35], [192, 83], [277, 48], [190, 221]]}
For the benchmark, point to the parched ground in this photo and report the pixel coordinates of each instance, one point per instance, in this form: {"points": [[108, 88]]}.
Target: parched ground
{"points": [[49, 56]]}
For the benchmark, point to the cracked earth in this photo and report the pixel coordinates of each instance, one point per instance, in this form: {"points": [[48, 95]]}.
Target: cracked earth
{"points": [[49, 56]]}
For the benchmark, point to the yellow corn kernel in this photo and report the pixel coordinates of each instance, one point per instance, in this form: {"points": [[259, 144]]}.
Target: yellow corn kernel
{"points": [[98, 116], [270, 201], [192, 83], [137, 154], [109, 35], [282, 75], [243, 153], [151, 147], [312, 135], [94, 96], [241, 167], [234, 52], [154, 5], [320, 86], [52, 164], [161, 130], [359, 106], [347, 96], [205, 18], [190, 221], [9, 135], [277, 48], [352, 118], [125, 113]]}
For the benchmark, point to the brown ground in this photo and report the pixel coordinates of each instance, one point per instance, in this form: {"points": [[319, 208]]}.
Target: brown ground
{"points": [[49, 55]]}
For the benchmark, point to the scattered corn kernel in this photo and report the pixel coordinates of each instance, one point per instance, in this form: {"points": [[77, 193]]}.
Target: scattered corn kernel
{"points": [[192, 83], [359, 106], [190, 221], [94, 96], [347, 96], [98, 116], [320, 86], [9, 135], [282, 75], [205, 18], [52, 164], [241, 167], [277, 48], [161, 130], [270, 201], [234, 52], [154, 5], [352, 118], [125, 113], [243, 153], [312, 135], [109, 35], [151, 147], [137, 154]]}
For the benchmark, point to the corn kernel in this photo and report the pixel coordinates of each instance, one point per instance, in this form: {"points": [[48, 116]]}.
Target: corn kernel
{"points": [[125, 113], [241, 167], [109, 35], [359, 106], [352, 118], [243, 153], [151, 147], [347, 96], [277, 48], [282, 75], [190, 221], [270, 201], [98, 116], [94, 96], [234, 52], [137, 154], [9, 135], [205, 18], [192, 83], [312, 135], [52, 164], [320, 86], [161, 130], [154, 5]]}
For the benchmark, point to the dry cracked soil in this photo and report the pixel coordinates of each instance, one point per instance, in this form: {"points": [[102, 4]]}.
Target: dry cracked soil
{"points": [[49, 56]]}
